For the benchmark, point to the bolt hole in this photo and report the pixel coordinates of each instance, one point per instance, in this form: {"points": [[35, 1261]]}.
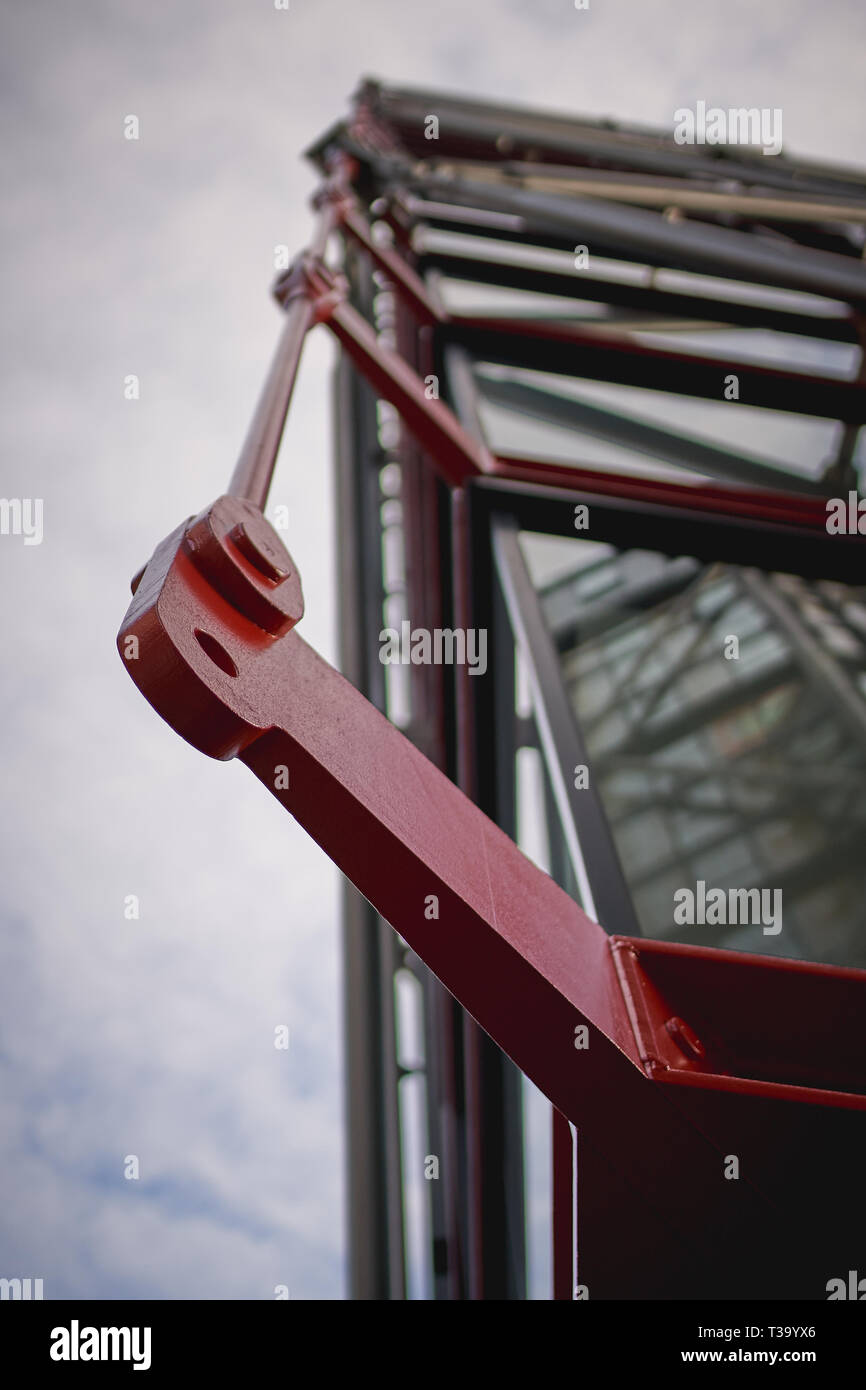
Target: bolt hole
{"points": [[217, 653]]}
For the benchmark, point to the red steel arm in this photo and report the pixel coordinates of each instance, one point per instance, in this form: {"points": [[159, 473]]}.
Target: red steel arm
{"points": [[216, 655], [668, 1059]]}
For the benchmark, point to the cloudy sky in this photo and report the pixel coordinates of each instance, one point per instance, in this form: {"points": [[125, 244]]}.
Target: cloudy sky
{"points": [[155, 1037]]}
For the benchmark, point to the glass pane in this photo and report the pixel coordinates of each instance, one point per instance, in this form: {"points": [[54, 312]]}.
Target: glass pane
{"points": [[724, 714], [596, 424]]}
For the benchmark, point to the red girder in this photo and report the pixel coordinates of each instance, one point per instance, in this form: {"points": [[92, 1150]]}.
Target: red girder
{"points": [[217, 657]]}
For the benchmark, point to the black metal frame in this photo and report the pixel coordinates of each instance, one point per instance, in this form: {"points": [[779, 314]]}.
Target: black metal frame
{"points": [[473, 1091]]}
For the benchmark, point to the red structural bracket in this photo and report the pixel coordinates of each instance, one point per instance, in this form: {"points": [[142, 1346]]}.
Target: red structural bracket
{"points": [[216, 655], [309, 278], [742, 503], [796, 1031]]}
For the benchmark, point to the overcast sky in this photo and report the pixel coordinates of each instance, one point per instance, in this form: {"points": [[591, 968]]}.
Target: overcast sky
{"points": [[155, 1037]]}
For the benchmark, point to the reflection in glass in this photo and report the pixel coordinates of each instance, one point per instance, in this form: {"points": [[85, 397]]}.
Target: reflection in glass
{"points": [[740, 764]]}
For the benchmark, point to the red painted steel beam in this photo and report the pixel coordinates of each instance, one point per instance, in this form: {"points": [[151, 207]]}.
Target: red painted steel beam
{"points": [[602, 355], [455, 454], [216, 654], [307, 300], [409, 285], [738, 503]]}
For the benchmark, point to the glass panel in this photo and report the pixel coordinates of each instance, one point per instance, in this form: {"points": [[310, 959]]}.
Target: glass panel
{"points": [[602, 430], [716, 339], [621, 272], [724, 714], [641, 432]]}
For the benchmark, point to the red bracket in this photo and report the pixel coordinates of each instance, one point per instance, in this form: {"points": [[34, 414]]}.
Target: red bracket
{"points": [[590, 1021], [308, 277]]}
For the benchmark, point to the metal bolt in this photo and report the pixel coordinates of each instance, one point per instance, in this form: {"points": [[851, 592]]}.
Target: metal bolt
{"points": [[686, 1039], [260, 552]]}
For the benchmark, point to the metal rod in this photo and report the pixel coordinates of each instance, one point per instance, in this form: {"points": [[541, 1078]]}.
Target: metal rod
{"points": [[628, 189], [465, 264], [370, 1168], [696, 246], [494, 1159], [613, 144], [604, 894], [456, 455], [255, 466], [258, 457]]}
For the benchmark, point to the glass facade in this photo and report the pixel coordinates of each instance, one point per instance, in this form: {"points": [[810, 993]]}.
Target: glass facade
{"points": [[724, 715]]}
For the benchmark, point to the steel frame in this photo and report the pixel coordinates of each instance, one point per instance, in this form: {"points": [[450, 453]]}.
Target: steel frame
{"points": [[213, 614]]}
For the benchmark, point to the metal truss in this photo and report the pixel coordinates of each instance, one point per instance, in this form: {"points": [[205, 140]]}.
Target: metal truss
{"points": [[655, 1079]]}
